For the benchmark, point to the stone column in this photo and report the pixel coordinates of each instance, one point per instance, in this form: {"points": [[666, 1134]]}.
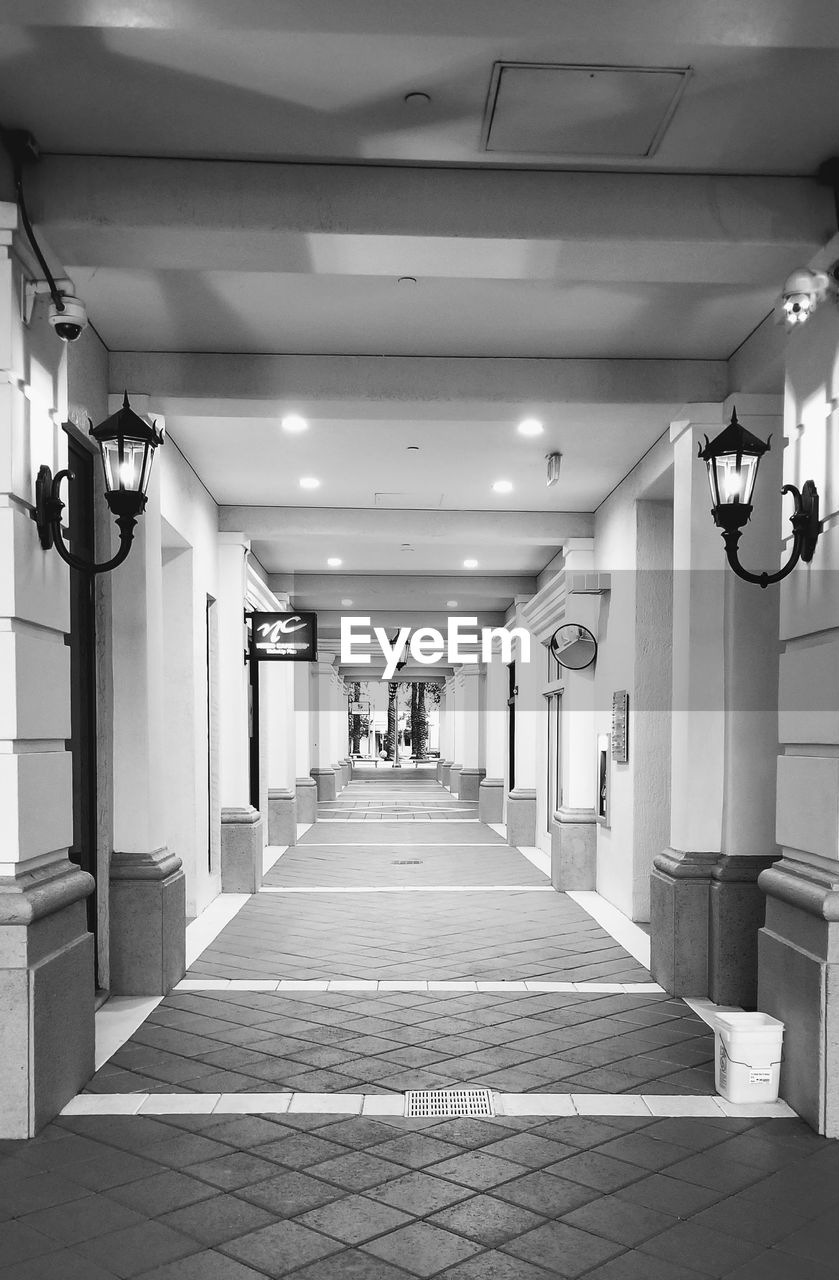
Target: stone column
{"points": [[457, 732], [798, 964], [324, 768], [491, 789], [447, 731], [573, 824], [305, 785], [521, 801], [704, 905], [242, 837], [46, 952], [471, 772], [277, 708]]}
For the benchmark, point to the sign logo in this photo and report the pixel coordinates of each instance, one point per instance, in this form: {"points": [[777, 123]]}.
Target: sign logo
{"points": [[284, 637]]}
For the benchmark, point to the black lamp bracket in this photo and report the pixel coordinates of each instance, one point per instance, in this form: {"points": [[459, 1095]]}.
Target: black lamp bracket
{"points": [[47, 515], [806, 527]]}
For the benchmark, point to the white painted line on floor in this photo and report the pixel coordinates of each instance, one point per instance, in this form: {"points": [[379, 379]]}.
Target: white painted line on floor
{"points": [[206, 927], [506, 1104], [386, 818], [117, 1020], [414, 888], [499, 829], [400, 844], [303, 827], [630, 937], [541, 861], [271, 855], [500, 987]]}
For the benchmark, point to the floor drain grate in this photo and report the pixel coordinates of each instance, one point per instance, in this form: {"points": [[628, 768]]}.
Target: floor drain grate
{"points": [[407, 862], [448, 1102]]}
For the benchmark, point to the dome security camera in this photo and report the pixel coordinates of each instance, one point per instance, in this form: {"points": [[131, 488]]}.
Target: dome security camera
{"points": [[802, 293], [70, 323]]}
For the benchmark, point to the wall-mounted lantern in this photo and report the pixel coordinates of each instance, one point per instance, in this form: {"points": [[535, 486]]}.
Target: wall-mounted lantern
{"points": [[126, 444], [732, 461]]}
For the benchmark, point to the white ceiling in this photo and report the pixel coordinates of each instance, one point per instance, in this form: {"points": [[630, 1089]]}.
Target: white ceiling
{"points": [[314, 79], [638, 265], [253, 462], [374, 315]]}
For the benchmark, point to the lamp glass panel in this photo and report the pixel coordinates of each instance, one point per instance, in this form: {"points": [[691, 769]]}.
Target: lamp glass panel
{"points": [[733, 483], [127, 472]]}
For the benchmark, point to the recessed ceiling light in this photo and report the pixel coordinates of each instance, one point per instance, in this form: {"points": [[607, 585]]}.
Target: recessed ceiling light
{"points": [[412, 448], [334, 562], [293, 423], [530, 427], [309, 482], [470, 564], [502, 486], [417, 98], [451, 604], [406, 546], [406, 280], [346, 603]]}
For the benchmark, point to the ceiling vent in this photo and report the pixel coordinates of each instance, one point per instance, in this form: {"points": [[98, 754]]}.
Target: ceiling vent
{"points": [[556, 109]]}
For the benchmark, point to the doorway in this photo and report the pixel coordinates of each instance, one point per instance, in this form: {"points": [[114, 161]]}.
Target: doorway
{"points": [[82, 644], [511, 726]]}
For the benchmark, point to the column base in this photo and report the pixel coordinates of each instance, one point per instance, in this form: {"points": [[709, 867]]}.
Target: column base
{"points": [[282, 816], [470, 782], [491, 800], [574, 849], [737, 907], [446, 773], [326, 783], [148, 921], [798, 982], [307, 800], [455, 771], [46, 995], [521, 817], [346, 770], [679, 910], [241, 849], [438, 770], [338, 770]]}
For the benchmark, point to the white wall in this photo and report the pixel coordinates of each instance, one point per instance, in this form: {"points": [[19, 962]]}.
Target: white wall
{"points": [[633, 542]]}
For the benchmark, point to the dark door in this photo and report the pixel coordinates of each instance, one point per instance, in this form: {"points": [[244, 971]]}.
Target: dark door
{"points": [[82, 640], [511, 726], [253, 685]]}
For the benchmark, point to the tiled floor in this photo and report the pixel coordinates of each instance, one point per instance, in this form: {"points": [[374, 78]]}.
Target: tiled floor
{"points": [[332, 1197]]}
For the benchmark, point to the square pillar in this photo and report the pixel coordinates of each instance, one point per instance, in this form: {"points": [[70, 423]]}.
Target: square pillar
{"points": [[242, 836], [148, 892], [46, 953]]}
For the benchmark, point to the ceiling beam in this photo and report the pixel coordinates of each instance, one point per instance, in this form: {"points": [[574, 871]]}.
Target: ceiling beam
{"points": [[384, 591], [535, 528], [103, 211], [768, 24], [202, 384]]}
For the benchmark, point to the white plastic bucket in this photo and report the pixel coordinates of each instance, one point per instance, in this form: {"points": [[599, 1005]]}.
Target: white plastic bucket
{"points": [[748, 1056]]}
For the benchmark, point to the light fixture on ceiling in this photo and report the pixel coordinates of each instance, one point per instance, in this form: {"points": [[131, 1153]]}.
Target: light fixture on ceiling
{"points": [[412, 448], [346, 603], [451, 604], [309, 482], [293, 423], [554, 461], [530, 427], [417, 98], [502, 486], [732, 461], [406, 546], [408, 280], [470, 564], [126, 445], [334, 562]]}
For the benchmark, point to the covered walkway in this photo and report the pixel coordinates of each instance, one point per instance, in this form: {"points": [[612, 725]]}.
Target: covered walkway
{"points": [[253, 1124]]}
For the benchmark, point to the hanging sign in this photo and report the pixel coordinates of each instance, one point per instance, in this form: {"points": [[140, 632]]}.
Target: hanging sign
{"points": [[284, 637], [620, 724], [360, 708]]}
